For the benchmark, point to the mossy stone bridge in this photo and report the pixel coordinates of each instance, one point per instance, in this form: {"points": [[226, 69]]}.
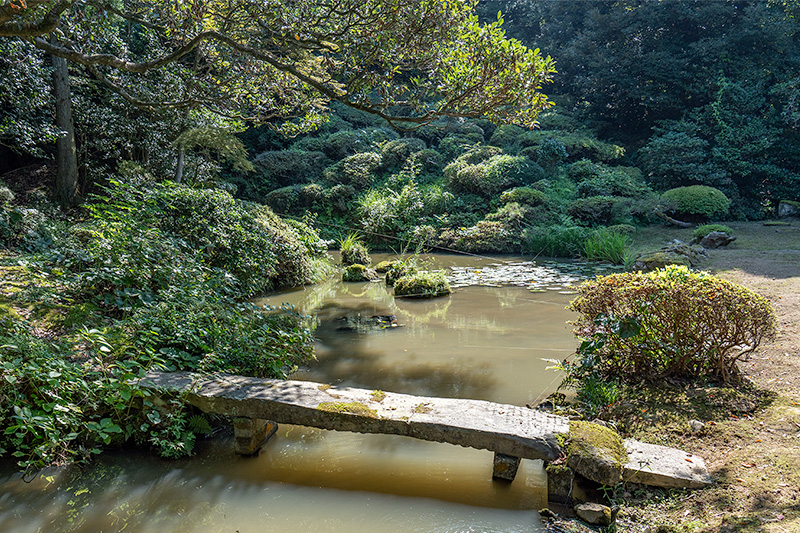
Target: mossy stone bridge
{"points": [[511, 432]]}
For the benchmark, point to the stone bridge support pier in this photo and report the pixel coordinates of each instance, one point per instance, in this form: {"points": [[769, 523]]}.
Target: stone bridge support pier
{"points": [[250, 434]]}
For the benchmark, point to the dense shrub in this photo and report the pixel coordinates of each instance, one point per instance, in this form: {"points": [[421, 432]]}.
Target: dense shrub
{"points": [[578, 144], [595, 209], [513, 216], [487, 236], [284, 199], [696, 201], [138, 229], [506, 137], [598, 179], [488, 177], [358, 171], [388, 212], [670, 322], [455, 145], [340, 197], [548, 154], [428, 160], [348, 142], [288, 167], [523, 195], [395, 153]]}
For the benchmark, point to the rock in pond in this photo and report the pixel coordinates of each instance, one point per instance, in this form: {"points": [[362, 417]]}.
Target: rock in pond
{"points": [[422, 285], [354, 273]]}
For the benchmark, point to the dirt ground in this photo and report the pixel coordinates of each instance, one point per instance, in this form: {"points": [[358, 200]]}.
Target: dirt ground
{"points": [[753, 452]]}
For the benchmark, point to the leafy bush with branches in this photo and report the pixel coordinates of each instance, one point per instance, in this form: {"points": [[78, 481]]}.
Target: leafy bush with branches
{"points": [[696, 201], [668, 323]]}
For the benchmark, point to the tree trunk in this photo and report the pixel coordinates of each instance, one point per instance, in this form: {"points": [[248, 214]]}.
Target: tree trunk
{"points": [[66, 185], [181, 163]]}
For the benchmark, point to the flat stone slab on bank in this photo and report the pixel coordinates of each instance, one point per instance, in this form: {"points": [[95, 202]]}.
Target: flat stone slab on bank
{"points": [[660, 466], [506, 429]]}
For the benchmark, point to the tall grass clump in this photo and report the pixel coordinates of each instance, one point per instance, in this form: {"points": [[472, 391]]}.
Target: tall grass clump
{"points": [[354, 251], [554, 241], [603, 245]]}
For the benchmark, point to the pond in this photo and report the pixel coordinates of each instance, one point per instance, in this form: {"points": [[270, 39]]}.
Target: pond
{"points": [[490, 340]]}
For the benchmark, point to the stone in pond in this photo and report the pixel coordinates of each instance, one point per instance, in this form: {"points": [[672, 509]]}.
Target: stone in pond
{"points": [[355, 273], [422, 285]]}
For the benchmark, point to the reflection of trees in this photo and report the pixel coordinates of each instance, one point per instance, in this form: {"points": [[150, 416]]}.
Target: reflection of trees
{"points": [[347, 361]]}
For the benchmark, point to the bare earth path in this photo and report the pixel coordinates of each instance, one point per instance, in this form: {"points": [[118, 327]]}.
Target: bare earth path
{"points": [[755, 456]]}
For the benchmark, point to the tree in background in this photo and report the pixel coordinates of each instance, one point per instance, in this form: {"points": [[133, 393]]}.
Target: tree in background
{"points": [[277, 62]]}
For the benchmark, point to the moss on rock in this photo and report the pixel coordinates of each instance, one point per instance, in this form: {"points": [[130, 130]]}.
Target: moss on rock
{"points": [[351, 408], [596, 452], [655, 260], [355, 273], [422, 285]]}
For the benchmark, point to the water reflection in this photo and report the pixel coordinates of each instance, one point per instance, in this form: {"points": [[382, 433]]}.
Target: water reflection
{"points": [[302, 482], [482, 342]]}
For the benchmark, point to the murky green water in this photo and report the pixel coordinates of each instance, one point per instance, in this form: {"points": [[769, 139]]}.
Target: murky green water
{"points": [[483, 342]]}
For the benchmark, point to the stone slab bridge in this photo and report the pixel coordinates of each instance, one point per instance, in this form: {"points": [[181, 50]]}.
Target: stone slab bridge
{"points": [[513, 433]]}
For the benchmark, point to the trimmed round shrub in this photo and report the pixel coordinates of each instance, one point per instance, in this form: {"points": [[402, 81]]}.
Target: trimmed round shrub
{"points": [[704, 230], [487, 177], [282, 200], [523, 195], [668, 323], [348, 142], [395, 153], [454, 145], [423, 285], [357, 170], [429, 160], [622, 229], [340, 197], [696, 201], [506, 137]]}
